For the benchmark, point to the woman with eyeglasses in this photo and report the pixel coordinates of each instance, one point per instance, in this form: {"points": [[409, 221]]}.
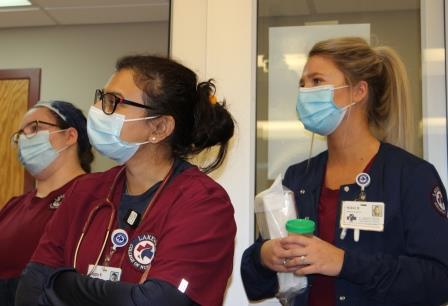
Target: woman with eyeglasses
{"points": [[155, 230], [53, 146]]}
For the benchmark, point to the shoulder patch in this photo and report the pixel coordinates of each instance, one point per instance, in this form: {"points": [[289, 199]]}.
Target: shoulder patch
{"points": [[438, 201]]}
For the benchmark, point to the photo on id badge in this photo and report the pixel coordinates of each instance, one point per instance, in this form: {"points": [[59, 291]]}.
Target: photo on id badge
{"points": [[377, 211], [114, 277]]}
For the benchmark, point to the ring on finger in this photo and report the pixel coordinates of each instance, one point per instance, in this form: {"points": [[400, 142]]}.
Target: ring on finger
{"points": [[285, 261], [302, 259]]}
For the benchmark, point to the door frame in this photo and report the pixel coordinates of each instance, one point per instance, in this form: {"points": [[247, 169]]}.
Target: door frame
{"points": [[33, 76]]}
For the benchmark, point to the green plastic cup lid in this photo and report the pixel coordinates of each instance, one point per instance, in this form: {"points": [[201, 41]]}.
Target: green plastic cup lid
{"points": [[300, 226]]}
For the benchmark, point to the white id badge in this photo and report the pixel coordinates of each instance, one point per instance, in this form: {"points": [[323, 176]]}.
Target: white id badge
{"points": [[359, 215], [105, 273]]}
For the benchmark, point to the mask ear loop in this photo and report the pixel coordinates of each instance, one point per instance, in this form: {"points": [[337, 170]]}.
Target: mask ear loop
{"points": [[310, 153], [55, 132], [346, 130], [63, 148], [347, 116], [140, 119]]}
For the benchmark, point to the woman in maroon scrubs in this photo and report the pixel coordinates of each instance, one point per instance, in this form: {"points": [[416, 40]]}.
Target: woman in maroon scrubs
{"points": [[53, 145], [155, 230]]}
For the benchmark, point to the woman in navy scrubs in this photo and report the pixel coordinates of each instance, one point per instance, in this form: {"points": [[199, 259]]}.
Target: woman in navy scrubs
{"points": [[156, 223], [356, 95], [53, 146]]}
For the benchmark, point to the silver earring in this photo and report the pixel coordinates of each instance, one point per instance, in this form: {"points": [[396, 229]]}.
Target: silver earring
{"points": [[153, 139]]}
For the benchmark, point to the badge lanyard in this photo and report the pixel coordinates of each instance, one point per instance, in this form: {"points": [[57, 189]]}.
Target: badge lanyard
{"points": [[362, 180], [108, 203]]}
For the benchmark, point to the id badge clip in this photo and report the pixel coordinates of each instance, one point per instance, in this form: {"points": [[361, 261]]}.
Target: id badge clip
{"points": [[360, 214]]}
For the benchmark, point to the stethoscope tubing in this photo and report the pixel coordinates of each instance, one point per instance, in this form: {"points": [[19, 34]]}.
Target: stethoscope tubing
{"points": [[107, 203]]}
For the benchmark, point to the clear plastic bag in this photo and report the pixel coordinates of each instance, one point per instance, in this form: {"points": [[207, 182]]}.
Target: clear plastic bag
{"points": [[273, 208]]}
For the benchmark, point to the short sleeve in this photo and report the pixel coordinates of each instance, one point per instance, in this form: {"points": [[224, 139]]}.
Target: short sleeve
{"points": [[196, 250]]}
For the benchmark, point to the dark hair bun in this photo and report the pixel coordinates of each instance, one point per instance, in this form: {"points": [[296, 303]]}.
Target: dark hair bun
{"points": [[213, 124]]}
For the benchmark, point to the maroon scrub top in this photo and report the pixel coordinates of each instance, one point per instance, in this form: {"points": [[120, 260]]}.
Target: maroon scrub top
{"points": [[323, 289], [22, 223], [187, 235]]}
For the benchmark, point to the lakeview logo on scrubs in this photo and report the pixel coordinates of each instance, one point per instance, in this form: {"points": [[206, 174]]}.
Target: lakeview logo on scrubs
{"points": [[142, 250], [438, 202]]}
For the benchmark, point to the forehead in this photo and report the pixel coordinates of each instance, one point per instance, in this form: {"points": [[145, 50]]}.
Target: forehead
{"points": [[321, 65], [38, 113], [122, 83]]}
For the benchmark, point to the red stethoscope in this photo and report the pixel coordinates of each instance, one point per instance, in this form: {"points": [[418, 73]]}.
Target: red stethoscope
{"points": [[108, 203]]}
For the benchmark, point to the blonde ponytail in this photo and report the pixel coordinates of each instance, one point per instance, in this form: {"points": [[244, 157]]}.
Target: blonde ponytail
{"points": [[394, 101]]}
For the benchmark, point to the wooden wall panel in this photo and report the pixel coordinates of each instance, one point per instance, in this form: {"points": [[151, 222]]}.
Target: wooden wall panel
{"points": [[13, 104]]}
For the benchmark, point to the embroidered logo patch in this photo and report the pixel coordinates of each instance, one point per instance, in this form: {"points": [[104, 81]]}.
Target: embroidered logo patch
{"points": [[57, 202], [438, 201], [142, 250]]}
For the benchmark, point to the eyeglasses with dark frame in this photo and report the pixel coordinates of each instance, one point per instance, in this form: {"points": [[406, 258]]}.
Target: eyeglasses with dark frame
{"points": [[109, 101], [30, 130]]}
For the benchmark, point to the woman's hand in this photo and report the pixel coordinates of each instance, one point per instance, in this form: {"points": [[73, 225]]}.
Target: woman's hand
{"points": [[311, 255], [275, 255]]}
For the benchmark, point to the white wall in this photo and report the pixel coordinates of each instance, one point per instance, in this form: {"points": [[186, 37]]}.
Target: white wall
{"points": [[76, 60], [217, 39], [434, 85]]}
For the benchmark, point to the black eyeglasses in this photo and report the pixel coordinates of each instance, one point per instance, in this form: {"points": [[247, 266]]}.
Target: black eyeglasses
{"points": [[109, 102], [30, 130]]}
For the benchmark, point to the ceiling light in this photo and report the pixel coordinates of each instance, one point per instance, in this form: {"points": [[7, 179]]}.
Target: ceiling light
{"points": [[7, 3]]}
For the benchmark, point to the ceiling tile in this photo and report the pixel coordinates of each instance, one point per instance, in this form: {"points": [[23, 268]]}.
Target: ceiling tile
{"points": [[24, 17], [110, 14]]}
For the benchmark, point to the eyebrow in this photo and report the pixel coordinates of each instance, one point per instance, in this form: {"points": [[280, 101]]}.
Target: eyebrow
{"points": [[310, 76], [313, 74], [40, 121], [118, 94]]}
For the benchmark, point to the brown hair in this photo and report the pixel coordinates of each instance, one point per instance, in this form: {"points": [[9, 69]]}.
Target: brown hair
{"points": [[388, 106], [170, 88]]}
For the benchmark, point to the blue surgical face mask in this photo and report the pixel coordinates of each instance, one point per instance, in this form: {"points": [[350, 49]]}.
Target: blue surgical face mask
{"points": [[104, 135], [37, 153], [317, 110]]}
